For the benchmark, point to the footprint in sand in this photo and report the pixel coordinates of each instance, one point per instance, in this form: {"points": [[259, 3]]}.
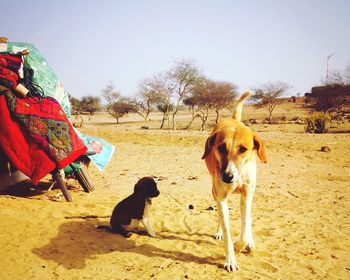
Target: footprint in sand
{"points": [[262, 253], [268, 266], [186, 224], [265, 232]]}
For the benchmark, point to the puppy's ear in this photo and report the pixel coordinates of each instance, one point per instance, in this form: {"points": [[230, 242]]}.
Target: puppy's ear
{"points": [[259, 146], [209, 144], [139, 187]]}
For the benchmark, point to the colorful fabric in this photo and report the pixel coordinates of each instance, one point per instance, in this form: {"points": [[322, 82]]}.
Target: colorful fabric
{"points": [[46, 78], [45, 121], [24, 153], [9, 67], [103, 150]]}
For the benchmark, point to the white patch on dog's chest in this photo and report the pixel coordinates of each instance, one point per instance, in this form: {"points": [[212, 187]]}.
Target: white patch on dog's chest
{"points": [[147, 211]]}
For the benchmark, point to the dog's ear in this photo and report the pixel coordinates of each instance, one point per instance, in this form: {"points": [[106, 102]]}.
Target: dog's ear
{"points": [[259, 146], [209, 144], [140, 187]]}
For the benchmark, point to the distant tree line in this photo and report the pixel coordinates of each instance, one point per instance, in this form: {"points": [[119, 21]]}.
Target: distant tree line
{"points": [[183, 84]]}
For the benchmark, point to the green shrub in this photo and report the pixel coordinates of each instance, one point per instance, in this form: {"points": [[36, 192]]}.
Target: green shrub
{"points": [[317, 122]]}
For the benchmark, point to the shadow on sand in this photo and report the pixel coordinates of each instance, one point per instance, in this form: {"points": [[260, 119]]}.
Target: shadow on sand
{"points": [[28, 190], [79, 241]]}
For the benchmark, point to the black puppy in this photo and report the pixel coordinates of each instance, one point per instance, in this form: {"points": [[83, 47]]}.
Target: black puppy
{"points": [[134, 209]]}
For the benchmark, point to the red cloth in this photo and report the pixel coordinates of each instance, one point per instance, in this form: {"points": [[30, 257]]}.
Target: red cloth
{"points": [[35, 133], [23, 152], [9, 66], [28, 154], [45, 121]]}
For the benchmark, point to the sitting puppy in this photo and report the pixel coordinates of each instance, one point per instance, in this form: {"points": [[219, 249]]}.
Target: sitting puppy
{"points": [[134, 209]]}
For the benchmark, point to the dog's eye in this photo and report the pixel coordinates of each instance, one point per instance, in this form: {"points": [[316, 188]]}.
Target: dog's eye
{"points": [[222, 148], [242, 149]]}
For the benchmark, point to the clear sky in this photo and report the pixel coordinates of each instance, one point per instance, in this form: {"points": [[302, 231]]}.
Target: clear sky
{"points": [[89, 43]]}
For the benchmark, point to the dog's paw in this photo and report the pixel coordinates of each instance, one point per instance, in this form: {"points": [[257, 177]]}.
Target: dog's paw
{"points": [[153, 235], [218, 235], [128, 234], [231, 264], [244, 246]]}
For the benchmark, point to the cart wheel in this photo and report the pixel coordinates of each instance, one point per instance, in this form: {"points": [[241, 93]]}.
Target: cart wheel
{"points": [[83, 178]]}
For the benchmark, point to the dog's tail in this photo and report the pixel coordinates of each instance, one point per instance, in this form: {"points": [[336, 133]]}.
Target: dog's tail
{"points": [[238, 112]]}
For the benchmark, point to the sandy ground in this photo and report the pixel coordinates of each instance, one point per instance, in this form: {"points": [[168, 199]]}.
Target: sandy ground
{"points": [[301, 212]]}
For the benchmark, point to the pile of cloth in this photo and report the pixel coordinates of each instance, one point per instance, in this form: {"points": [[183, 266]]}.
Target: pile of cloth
{"points": [[35, 131]]}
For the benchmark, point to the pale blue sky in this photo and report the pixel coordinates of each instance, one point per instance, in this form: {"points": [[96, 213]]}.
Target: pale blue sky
{"points": [[89, 43]]}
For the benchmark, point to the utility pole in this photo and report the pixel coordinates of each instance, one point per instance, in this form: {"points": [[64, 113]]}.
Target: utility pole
{"points": [[327, 70]]}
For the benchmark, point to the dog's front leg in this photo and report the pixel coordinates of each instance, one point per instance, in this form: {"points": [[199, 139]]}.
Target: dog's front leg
{"points": [[246, 241], [147, 224], [230, 263]]}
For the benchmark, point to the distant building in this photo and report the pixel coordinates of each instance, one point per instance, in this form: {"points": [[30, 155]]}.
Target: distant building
{"points": [[335, 90], [324, 98]]}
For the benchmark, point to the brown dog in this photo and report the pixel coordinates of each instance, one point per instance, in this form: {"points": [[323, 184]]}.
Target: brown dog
{"points": [[230, 159], [134, 209]]}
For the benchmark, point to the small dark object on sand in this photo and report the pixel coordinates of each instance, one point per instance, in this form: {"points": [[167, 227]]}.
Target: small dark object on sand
{"points": [[325, 149]]}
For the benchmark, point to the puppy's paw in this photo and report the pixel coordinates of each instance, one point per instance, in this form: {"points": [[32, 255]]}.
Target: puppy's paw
{"points": [[126, 234]]}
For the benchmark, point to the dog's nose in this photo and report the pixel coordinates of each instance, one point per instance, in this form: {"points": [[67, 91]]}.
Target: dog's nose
{"points": [[227, 177]]}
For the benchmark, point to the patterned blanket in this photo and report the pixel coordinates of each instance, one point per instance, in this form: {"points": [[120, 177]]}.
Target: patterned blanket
{"points": [[48, 81], [37, 136], [9, 67]]}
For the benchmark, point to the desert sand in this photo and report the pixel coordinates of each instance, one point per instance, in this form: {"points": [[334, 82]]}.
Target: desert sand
{"points": [[301, 210]]}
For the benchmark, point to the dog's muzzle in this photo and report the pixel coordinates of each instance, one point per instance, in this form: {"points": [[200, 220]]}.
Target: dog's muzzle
{"points": [[230, 174], [155, 193]]}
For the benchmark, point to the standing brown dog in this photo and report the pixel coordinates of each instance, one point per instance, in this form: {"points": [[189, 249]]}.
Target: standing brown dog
{"points": [[230, 159]]}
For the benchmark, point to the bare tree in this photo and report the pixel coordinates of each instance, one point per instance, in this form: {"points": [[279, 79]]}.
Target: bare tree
{"points": [[117, 106], [190, 102], [183, 77], [75, 103], [90, 104], [347, 74], [199, 104], [165, 108], [162, 93], [122, 107], [223, 95], [75, 109], [111, 95], [152, 91], [210, 95], [267, 96], [337, 77]]}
